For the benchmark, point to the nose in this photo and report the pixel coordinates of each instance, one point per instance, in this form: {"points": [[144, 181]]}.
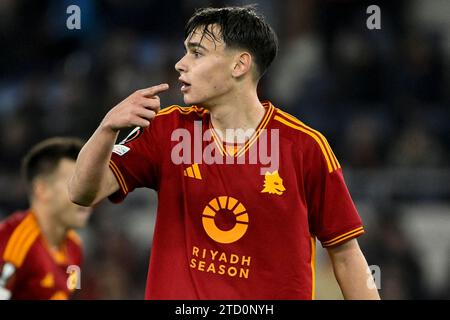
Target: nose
{"points": [[180, 66]]}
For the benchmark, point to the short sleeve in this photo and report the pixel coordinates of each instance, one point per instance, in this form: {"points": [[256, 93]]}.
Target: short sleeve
{"points": [[333, 216], [135, 162]]}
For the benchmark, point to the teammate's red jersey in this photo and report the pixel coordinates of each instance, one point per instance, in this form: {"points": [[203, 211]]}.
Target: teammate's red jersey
{"points": [[227, 231], [40, 272]]}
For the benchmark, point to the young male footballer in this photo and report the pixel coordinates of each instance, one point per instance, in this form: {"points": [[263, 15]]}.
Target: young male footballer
{"points": [[40, 253], [244, 188]]}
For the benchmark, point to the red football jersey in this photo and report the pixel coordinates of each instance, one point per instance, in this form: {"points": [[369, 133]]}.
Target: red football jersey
{"points": [[232, 230], [40, 273]]}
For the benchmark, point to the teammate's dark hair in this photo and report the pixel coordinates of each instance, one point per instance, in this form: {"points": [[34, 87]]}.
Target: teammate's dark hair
{"points": [[43, 158], [240, 27]]}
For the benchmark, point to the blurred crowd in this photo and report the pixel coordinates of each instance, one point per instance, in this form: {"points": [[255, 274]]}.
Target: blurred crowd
{"points": [[380, 97]]}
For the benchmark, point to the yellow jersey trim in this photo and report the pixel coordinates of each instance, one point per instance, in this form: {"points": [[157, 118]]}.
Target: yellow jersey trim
{"points": [[119, 176], [350, 234], [21, 240]]}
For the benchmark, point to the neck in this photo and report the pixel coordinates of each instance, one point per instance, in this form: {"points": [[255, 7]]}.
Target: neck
{"points": [[51, 230], [244, 112]]}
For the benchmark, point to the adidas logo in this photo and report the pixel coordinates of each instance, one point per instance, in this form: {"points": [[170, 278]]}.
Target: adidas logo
{"points": [[193, 172]]}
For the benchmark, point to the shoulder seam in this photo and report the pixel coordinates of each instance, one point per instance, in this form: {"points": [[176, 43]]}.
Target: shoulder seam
{"points": [[292, 122], [21, 240]]}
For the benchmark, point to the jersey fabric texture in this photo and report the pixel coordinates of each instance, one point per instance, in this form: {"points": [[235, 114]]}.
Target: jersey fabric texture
{"points": [[231, 230]]}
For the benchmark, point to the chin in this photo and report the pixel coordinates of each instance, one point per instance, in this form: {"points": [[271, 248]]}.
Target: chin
{"points": [[188, 101]]}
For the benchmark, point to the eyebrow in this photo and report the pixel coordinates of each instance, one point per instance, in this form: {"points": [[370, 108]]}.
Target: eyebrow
{"points": [[195, 45]]}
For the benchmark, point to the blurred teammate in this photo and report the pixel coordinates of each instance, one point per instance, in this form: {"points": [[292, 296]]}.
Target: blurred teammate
{"points": [[227, 227], [40, 254]]}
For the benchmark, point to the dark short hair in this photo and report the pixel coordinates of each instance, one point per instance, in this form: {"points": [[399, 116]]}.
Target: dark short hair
{"points": [[240, 27], [43, 158]]}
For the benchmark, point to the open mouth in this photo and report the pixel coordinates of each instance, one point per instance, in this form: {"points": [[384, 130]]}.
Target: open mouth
{"points": [[184, 85]]}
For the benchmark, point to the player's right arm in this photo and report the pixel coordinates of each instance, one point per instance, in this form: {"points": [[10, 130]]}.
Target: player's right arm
{"points": [[93, 180]]}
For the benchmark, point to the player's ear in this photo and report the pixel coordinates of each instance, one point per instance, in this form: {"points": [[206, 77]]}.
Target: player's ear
{"points": [[242, 64], [39, 188]]}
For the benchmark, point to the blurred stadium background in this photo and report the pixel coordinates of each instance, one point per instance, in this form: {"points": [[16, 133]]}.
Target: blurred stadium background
{"points": [[380, 96]]}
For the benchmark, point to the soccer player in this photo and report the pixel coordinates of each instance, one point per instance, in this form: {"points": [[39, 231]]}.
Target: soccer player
{"points": [[40, 253], [229, 226]]}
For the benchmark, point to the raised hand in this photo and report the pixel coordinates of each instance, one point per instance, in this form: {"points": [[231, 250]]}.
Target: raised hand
{"points": [[137, 110]]}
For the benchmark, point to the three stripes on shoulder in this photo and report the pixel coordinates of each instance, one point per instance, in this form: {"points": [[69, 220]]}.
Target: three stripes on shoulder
{"points": [[290, 121]]}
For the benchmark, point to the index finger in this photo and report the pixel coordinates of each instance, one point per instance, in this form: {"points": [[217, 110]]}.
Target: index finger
{"points": [[151, 91]]}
